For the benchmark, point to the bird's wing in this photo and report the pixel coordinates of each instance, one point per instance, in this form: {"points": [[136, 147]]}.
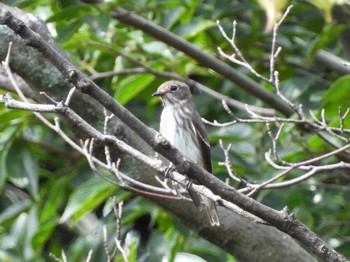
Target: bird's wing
{"points": [[202, 137]]}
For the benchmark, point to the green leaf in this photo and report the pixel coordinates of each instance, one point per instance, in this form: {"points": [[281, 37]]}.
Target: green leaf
{"points": [[20, 237], [339, 91], [171, 15], [135, 209], [43, 234], [14, 210], [326, 7], [338, 95], [8, 133], [21, 167], [130, 86], [132, 256], [32, 225], [194, 28], [234, 131], [68, 31], [53, 198], [3, 157], [13, 116], [157, 47], [71, 12], [77, 40], [329, 33], [86, 197], [134, 215]]}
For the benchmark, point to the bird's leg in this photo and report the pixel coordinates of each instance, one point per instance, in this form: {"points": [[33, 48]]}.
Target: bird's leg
{"points": [[171, 168], [196, 198], [173, 184]]}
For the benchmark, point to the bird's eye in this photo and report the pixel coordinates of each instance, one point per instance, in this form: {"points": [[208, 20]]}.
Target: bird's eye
{"points": [[173, 88]]}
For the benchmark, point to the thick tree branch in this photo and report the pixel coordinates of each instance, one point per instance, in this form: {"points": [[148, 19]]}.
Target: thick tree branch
{"points": [[328, 59], [332, 62]]}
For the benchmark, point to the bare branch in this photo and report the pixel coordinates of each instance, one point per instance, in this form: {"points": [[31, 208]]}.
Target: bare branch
{"points": [[120, 248], [240, 60], [227, 163], [124, 71]]}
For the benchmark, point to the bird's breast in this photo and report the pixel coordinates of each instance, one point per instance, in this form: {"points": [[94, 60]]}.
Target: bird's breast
{"points": [[178, 129]]}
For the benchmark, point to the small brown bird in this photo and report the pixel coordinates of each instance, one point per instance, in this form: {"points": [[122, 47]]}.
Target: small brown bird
{"points": [[182, 126]]}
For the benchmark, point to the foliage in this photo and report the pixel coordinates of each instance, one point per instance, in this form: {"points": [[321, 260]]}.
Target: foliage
{"points": [[48, 191]]}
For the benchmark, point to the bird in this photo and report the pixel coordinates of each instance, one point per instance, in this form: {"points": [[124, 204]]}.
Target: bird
{"points": [[182, 126]]}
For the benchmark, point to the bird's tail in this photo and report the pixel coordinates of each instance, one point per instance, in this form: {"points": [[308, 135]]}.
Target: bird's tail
{"points": [[211, 211], [208, 203]]}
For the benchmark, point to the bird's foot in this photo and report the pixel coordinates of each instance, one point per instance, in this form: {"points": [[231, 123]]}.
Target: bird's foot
{"points": [[196, 198], [168, 171]]}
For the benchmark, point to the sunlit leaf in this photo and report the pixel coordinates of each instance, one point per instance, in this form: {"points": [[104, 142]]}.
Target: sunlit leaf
{"points": [[67, 31], [129, 87], [86, 197], [273, 11]]}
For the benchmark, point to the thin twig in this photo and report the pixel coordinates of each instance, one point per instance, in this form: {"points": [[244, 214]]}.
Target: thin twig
{"points": [[237, 53], [227, 163], [121, 250], [89, 256], [105, 243], [52, 255], [70, 95]]}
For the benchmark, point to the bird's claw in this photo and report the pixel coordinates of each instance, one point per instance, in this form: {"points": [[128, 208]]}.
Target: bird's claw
{"points": [[168, 171], [196, 198]]}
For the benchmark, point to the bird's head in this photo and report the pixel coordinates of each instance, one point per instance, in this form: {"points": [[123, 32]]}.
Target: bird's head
{"points": [[173, 92]]}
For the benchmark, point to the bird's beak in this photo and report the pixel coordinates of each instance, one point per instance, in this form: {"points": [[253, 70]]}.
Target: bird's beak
{"points": [[157, 94]]}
